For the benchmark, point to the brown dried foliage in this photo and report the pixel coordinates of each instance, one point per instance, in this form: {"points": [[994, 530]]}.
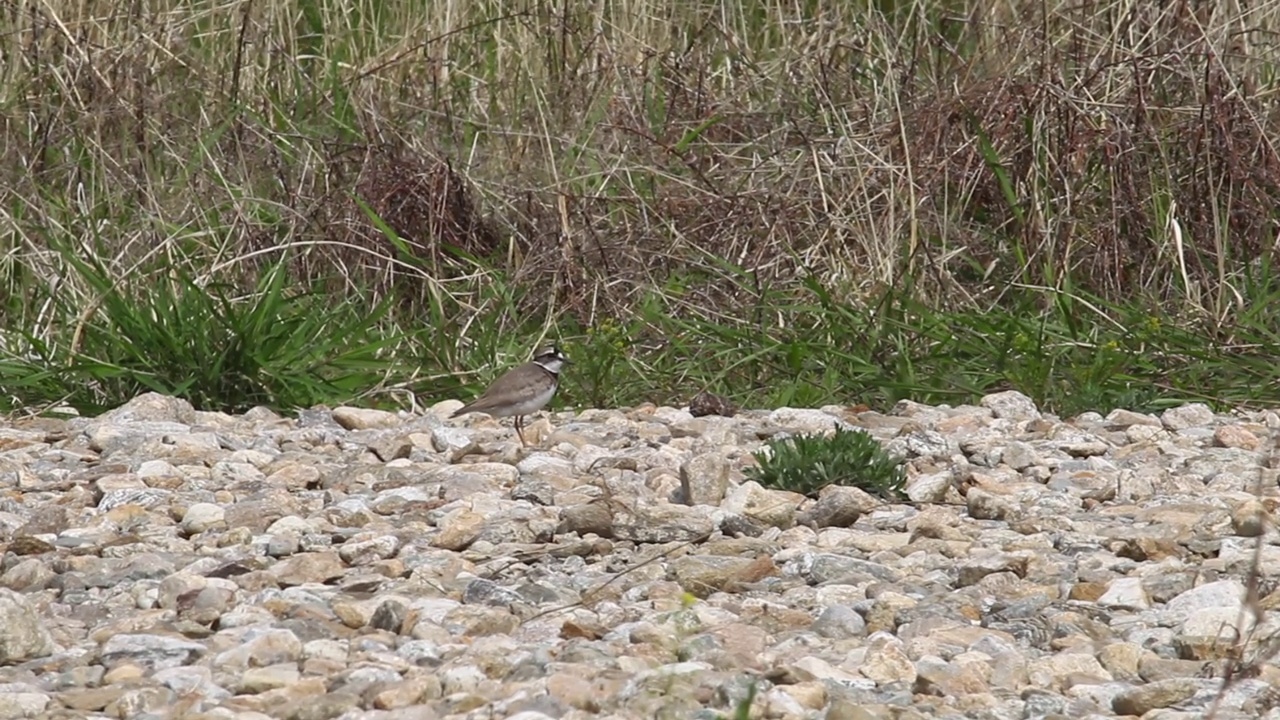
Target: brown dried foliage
{"points": [[858, 157], [429, 207]]}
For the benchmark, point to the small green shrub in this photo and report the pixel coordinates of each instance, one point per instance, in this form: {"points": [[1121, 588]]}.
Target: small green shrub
{"points": [[807, 463], [213, 343]]}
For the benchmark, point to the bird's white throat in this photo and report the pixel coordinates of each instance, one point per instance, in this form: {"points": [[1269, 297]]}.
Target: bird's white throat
{"points": [[551, 364]]}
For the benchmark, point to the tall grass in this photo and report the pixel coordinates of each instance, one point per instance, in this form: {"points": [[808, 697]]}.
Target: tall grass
{"points": [[792, 203]]}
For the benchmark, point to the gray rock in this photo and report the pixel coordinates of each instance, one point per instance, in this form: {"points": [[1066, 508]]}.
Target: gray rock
{"points": [[363, 552], [260, 647], [202, 517], [704, 479], [27, 576], [587, 518], [23, 635], [156, 652], [1187, 416], [1226, 594], [17, 705], [703, 575], [803, 420], [839, 506], [839, 622], [661, 523], [826, 568], [354, 418], [929, 488], [769, 507], [1159, 694], [1125, 593], [487, 592], [1011, 405], [312, 567], [538, 492]]}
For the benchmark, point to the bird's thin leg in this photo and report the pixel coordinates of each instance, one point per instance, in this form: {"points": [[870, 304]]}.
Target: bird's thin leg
{"points": [[520, 431]]}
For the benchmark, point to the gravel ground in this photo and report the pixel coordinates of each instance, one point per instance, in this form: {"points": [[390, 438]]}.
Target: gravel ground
{"points": [[166, 563]]}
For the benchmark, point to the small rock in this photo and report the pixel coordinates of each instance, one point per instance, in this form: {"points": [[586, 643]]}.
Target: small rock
{"points": [[771, 507], [587, 518], [1234, 436], [261, 679], [353, 418], [23, 636], [839, 506], [312, 567], [364, 552], [929, 488], [380, 566], [1250, 518], [662, 523], [708, 403], [1151, 696], [1227, 594], [16, 705], [886, 661], [1011, 405], [703, 575], [983, 505], [1126, 593], [804, 420], [704, 479], [156, 652], [459, 530], [839, 622], [27, 576], [1187, 416], [202, 517]]}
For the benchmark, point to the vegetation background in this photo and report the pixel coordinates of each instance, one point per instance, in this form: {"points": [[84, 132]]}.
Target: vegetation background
{"points": [[800, 202]]}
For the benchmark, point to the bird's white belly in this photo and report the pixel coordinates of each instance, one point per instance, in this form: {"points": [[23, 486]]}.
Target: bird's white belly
{"points": [[527, 406]]}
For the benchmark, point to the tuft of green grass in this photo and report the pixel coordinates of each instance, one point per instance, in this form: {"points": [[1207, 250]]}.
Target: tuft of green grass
{"points": [[806, 463], [219, 347], [1069, 350]]}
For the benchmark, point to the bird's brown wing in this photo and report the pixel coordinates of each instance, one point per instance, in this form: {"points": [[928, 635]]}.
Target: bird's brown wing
{"points": [[510, 388]]}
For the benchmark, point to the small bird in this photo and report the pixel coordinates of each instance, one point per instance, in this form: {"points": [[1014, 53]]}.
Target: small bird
{"points": [[522, 390]]}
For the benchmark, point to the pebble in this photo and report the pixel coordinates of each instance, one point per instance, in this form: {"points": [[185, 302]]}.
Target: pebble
{"points": [[369, 565]]}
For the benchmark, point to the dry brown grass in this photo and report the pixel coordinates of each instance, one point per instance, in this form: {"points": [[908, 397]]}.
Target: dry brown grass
{"points": [[595, 152]]}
